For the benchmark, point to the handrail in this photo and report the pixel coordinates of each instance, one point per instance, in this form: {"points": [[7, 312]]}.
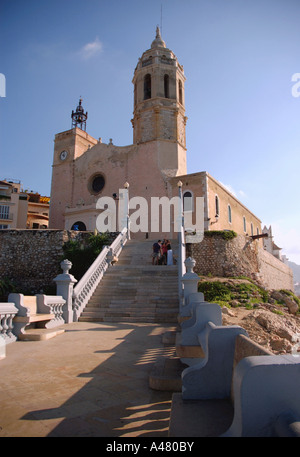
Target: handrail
{"points": [[86, 286], [181, 262]]}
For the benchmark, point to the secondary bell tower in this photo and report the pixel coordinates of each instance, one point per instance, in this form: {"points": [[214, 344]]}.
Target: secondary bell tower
{"points": [[159, 105]]}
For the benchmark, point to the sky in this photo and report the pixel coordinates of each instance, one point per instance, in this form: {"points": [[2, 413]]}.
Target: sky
{"points": [[240, 57]]}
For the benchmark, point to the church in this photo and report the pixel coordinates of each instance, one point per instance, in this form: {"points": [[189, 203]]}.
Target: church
{"points": [[85, 169]]}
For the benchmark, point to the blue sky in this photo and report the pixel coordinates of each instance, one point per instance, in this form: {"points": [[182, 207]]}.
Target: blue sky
{"points": [[238, 56]]}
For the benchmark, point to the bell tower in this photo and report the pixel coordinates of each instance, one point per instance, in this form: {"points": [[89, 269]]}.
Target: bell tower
{"points": [[79, 117], [159, 106]]}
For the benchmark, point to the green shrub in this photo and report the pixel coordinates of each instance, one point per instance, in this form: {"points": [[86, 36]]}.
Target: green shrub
{"points": [[6, 287], [292, 295], [225, 234], [277, 311], [82, 255], [220, 292], [215, 291]]}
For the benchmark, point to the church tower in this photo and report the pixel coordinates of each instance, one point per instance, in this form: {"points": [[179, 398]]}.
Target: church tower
{"points": [[159, 106], [68, 147], [85, 169]]}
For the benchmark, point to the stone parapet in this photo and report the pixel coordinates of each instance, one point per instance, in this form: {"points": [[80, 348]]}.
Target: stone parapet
{"points": [[240, 256], [31, 258]]}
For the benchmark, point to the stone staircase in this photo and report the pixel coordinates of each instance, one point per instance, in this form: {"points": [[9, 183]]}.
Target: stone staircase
{"points": [[134, 290]]}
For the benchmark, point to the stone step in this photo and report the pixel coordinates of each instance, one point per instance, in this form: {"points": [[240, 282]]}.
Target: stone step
{"points": [[134, 290], [134, 293], [40, 334], [150, 320], [166, 374], [141, 287], [138, 301], [133, 304], [131, 310]]}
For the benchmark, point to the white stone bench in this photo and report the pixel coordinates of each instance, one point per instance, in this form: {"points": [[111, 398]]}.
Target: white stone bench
{"points": [[188, 343], [260, 396], [264, 389], [210, 376], [31, 322], [186, 311]]}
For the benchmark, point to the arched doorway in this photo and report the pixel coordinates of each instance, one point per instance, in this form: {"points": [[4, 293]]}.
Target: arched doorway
{"points": [[79, 226]]}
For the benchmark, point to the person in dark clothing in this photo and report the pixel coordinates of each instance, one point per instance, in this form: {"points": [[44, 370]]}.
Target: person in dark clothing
{"points": [[164, 252], [156, 254]]}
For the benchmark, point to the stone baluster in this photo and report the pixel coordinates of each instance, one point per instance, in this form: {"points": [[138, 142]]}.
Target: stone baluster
{"points": [[52, 304], [64, 287], [7, 313], [189, 280]]}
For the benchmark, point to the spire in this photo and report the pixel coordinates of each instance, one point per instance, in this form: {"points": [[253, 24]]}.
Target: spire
{"points": [[79, 117], [158, 42]]}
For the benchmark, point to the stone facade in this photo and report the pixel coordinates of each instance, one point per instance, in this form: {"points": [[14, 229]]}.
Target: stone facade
{"points": [[152, 165], [240, 256], [222, 210], [85, 169], [31, 258], [157, 154]]}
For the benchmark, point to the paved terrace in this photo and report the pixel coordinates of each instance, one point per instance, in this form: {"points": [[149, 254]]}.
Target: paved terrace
{"points": [[91, 381]]}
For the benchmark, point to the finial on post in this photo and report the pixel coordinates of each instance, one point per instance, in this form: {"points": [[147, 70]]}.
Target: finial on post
{"points": [[190, 264], [66, 265]]}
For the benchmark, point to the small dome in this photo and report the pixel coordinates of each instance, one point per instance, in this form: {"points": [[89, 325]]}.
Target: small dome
{"points": [[158, 42]]}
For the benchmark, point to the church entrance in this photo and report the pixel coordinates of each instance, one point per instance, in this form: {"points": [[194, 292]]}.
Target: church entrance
{"points": [[79, 226]]}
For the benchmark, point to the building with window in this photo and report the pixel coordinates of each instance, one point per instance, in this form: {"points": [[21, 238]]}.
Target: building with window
{"points": [[85, 169], [38, 211], [13, 205], [20, 209], [222, 210]]}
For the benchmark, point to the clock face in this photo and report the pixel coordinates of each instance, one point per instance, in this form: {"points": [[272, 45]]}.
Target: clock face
{"points": [[63, 155]]}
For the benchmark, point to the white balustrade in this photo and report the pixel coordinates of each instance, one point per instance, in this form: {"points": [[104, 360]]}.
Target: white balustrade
{"points": [[52, 304], [7, 313], [181, 245], [87, 285]]}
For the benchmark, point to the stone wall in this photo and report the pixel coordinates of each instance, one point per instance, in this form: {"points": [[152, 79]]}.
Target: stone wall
{"points": [[240, 256], [31, 258]]}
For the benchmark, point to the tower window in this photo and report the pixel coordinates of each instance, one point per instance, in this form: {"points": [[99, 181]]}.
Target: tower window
{"points": [[217, 206], [187, 201], [147, 87], [229, 214], [244, 223], [180, 91], [166, 86]]}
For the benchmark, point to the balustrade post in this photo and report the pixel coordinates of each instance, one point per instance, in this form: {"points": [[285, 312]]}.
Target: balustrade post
{"points": [[124, 221], [2, 346], [64, 287], [189, 279]]}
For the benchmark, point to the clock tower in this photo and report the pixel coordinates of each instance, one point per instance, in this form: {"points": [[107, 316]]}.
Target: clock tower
{"points": [[68, 146]]}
